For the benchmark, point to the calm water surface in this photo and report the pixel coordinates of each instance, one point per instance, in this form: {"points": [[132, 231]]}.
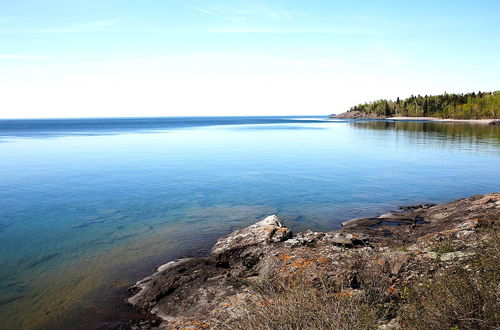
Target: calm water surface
{"points": [[90, 206]]}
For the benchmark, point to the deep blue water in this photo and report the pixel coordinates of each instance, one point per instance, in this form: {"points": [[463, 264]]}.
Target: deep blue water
{"points": [[87, 206]]}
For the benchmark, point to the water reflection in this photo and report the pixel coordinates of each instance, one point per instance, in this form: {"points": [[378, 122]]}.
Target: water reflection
{"points": [[446, 131]]}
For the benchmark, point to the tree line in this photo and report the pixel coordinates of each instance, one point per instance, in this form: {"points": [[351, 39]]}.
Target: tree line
{"points": [[480, 105]]}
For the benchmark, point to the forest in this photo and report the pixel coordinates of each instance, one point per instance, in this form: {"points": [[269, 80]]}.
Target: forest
{"points": [[480, 105]]}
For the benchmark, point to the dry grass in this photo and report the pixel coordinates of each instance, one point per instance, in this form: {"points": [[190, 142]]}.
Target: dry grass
{"points": [[458, 298], [363, 295], [304, 307], [352, 300]]}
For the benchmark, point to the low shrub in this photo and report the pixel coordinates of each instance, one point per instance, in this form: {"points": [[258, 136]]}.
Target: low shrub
{"points": [[459, 297]]}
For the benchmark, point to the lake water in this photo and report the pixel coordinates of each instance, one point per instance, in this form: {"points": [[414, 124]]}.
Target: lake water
{"points": [[90, 206]]}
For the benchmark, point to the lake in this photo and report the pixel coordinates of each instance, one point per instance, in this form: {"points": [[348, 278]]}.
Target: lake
{"points": [[89, 206]]}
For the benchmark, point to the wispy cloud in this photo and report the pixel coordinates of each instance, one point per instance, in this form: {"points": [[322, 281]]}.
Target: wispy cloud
{"points": [[211, 13], [322, 63], [94, 26], [6, 19], [245, 30], [319, 30], [22, 57], [246, 12], [389, 60], [267, 11], [259, 18]]}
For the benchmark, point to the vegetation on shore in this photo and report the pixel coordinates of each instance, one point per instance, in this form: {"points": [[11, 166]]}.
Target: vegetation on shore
{"points": [[481, 105], [455, 296]]}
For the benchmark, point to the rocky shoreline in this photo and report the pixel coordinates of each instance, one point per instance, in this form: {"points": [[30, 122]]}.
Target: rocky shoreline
{"points": [[403, 247], [356, 115], [363, 115]]}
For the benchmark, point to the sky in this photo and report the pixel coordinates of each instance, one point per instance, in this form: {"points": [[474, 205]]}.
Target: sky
{"points": [[117, 58]]}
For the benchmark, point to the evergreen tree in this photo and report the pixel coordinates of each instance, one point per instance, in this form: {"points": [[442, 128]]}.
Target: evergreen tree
{"points": [[471, 105], [387, 111]]}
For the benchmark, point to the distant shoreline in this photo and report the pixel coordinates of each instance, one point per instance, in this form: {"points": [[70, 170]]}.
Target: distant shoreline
{"points": [[484, 105], [356, 115], [472, 121]]}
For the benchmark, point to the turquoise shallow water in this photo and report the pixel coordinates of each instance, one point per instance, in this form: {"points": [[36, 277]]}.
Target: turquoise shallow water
{"points": [[89, 206]]}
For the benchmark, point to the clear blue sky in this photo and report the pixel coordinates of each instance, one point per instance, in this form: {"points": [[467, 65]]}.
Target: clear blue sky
{"points": [[81, 58]]}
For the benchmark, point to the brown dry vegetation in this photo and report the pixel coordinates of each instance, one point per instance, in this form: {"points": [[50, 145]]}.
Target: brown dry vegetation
{"points": [[459, 297], [302, 306], [363, 297]]}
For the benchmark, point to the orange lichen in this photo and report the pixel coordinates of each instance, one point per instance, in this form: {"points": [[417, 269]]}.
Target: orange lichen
{"points": [[344, 293], [392, 290], [266, 302], [300, 263], [322, 260], [197, 325]]}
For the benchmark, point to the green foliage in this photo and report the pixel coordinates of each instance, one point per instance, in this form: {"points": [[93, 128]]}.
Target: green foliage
{"points": [[456, 106], [443, 247]]}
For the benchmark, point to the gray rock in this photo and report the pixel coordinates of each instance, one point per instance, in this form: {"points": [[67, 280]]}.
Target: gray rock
{"points": [[353, 222], [341, 240], [454, 255], [269, 230], [357, 115]]}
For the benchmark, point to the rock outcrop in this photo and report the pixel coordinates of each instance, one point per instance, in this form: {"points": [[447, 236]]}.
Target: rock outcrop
{"points": [[190, 288], [194, 292], [356, 115]]}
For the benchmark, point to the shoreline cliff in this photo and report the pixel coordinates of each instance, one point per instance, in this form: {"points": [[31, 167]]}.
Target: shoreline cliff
{"points": [[375, 272]]}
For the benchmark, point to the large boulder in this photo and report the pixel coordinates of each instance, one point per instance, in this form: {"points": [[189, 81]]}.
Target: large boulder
{"points": [[269, 230]]}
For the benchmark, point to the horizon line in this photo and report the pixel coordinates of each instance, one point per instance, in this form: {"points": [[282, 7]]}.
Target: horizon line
{"points": [[152, 117]]}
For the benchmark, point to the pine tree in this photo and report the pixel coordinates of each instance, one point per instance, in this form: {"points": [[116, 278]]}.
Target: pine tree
{"points": [[387, 111]]}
